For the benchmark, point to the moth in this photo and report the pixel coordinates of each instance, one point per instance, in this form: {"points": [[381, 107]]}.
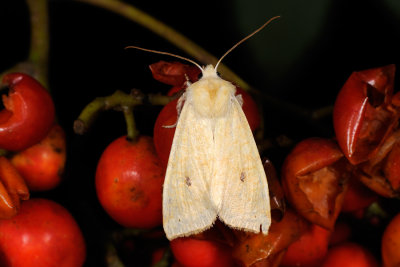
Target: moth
{"points": [[214, 169]]}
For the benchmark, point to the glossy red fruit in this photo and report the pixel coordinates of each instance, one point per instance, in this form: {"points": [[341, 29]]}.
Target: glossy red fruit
{"points": [[349, 255], [363, 114], [309, 250], [12, 189], [276, 195], [42, 164], [28, 115], [42, 234], [390, 248], [269, 248], [174, 73], [380, 172], [250, 109], [191, 252], [163, 136], [391, 167], [314, 179], [129, 180]]}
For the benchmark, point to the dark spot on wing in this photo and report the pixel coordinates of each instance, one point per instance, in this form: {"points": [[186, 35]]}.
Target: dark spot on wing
{"points": [[242, 177], [188, 181]]}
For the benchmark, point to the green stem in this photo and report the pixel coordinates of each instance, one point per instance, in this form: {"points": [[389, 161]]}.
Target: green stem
{"points": [[168, 33], [118, 100], [158, 99], [132, 132], [39, 47], [36, 64], [112, 258]]}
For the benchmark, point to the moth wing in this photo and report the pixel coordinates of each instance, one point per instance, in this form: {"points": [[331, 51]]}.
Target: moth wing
{"points": [[187, 208], [239, 187]]}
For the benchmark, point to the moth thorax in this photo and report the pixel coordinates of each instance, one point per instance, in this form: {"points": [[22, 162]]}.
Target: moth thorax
{"points": [[211, 96]]}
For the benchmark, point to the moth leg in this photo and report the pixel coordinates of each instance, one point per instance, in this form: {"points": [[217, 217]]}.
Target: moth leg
{"points": [[179, 106], [239, 98], [187, 82]]}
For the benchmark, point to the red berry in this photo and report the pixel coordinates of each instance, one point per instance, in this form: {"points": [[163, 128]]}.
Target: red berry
{"points": [[42, 234], [129, 180], [28, 115]]}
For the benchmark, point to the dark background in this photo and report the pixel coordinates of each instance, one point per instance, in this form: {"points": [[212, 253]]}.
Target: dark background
{"points": [[302, 59]]}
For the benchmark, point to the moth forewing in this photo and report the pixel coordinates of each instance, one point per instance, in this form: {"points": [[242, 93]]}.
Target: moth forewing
{"points": [[187, 208], [245, 195]]}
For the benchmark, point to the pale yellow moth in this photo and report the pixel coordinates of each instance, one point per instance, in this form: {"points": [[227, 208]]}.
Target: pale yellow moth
{"points": [[214, 168]]}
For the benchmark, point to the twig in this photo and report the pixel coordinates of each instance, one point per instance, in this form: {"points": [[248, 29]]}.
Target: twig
{"points": [[36, 64], [118, 100], [39, 48]]}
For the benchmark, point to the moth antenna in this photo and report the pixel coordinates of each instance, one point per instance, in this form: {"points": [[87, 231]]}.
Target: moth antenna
{"points": [[165, 53], [244, 39]]}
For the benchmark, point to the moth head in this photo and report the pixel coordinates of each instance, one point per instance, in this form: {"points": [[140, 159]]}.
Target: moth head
{"points": [[209, 72], [211, 95]]}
